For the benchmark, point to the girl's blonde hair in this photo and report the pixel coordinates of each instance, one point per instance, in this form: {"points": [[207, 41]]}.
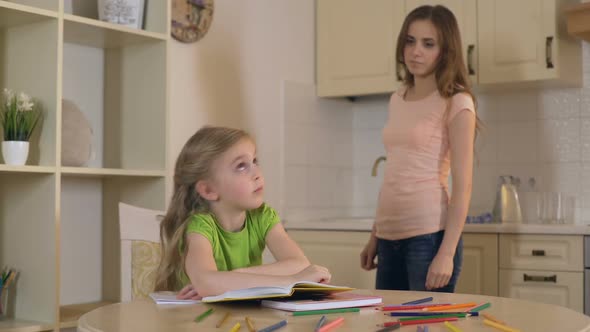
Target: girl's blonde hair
{"points": [[193, 164], [451, 71]]}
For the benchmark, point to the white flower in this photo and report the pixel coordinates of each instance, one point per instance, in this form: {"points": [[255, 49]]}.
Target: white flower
{"points": [[8, 96], [23, 102]]}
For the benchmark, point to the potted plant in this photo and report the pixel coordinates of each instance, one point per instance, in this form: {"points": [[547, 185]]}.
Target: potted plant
{"points": [[19, 115]]}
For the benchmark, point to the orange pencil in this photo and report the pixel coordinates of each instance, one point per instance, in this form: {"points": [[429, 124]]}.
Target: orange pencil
{"points": [[492, 318], [332, 324], [449, 307], [222, 320]]}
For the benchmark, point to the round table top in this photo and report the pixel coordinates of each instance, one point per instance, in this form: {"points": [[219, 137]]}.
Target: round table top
{"points": [[146, 316]]}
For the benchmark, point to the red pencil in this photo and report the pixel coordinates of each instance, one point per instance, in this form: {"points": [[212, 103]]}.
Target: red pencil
{"points": [[411, 307]]}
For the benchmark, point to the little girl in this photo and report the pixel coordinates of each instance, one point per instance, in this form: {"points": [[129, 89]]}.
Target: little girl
{"points": [[217, 224]]}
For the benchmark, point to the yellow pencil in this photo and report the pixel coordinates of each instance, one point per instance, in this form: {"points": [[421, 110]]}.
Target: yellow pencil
{"points": [[235, 328], [500, 327], [222, 320], [250, 325], [452, 327], [492, 318]]}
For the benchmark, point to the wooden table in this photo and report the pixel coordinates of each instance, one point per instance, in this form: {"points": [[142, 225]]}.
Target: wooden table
{"points": [[145, 316]]}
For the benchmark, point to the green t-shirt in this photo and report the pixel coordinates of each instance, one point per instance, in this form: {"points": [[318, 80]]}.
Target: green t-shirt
{"points": [[234, 250]]}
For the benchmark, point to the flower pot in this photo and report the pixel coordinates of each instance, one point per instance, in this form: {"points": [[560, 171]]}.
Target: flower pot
{"points": [[15, 153]]}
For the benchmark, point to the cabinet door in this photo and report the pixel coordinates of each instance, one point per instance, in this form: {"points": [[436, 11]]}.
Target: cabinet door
{"points": [[340, 253], [560, 288], [465, 12], [355, 45], [516, 40], [479, 273]]}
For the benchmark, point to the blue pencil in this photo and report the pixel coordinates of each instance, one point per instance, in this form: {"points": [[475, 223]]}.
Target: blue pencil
{"points": [[320, 323], [428, 313], [424, 300], [274, 326]]}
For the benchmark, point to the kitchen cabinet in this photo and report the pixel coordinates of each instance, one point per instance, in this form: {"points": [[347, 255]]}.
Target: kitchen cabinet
{"points": [[339, 252], [479, 272]]}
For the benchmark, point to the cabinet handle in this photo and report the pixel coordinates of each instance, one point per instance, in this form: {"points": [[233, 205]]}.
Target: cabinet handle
{"points": [[549, 51], [537, 252], [552, 278], [470, 50]]}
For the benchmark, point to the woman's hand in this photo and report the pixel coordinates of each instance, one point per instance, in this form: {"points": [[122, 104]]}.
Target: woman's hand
{"points": [[313, 273], [439, 272], [368, 254], [188, 292]]}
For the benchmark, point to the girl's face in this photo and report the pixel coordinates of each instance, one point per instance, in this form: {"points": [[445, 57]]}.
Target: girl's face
{"points": [[422, 48], [237, 178]]}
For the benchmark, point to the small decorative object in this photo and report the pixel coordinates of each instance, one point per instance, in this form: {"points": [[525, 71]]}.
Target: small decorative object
{"points": [[7, 279], [191, 19], [19, 115], [125, 12], [76, 135]]}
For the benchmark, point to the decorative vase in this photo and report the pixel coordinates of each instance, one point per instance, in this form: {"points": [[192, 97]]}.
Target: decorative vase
{"points": [[15, 153]]}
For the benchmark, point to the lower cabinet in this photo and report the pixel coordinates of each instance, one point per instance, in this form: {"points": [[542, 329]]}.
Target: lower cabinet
{"points": [[339, 252], [479, 272]]}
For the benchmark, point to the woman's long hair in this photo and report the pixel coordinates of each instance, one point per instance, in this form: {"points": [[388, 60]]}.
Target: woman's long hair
{"points": [[193, 164], [450, 72]]}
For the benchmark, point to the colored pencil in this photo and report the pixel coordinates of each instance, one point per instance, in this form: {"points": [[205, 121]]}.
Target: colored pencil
{"points": [[424, 300], [500, 327], [481, 307], [449, 307], [425, 329], [452, 327], [460, 315], [391, 327], [427, 313], [250, 324], [411, 307], [492, 318], [222, 320], [235, 328], [323, 312], [428, 321], [320, 323], [333, 324], [274, 326], [203, 315]]}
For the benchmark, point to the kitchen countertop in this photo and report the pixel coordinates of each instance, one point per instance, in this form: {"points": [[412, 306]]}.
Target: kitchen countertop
{"points": [[365, 225]]}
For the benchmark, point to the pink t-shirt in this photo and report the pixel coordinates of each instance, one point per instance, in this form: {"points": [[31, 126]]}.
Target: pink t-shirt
{"points": [[414, 195]]}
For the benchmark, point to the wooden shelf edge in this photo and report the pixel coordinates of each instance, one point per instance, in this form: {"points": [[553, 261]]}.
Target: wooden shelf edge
{"points": [[578, 20], [101, 172], [70, 314], [27, 169], [115, 27], [28, 9], [17, 325]]}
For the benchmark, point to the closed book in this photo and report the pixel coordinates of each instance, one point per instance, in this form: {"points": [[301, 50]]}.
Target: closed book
{"points": [[331, 301], [296, 289]]}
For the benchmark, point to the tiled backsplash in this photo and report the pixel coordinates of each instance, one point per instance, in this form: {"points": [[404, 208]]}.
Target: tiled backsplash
{"points": [[331, 144]]}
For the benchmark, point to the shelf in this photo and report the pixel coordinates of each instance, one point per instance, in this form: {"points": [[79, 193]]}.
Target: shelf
{"points": [[578, 20], [12, 14], [27, 169], [94, 33], [17, 325], [69, 314], [109, 172]]}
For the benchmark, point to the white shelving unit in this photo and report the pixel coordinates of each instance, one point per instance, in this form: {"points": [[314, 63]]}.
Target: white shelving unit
{"points": [[59, 224]]}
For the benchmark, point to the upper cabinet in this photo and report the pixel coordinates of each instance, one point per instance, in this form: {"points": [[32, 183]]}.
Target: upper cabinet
{"points": [[355, 46], [504, 41]]}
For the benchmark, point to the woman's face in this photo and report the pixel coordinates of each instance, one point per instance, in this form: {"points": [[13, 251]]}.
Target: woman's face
{"points": [[422, 48]]}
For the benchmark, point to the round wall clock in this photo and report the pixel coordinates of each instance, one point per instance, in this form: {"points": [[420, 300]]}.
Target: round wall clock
{"points": [[191, 19]]}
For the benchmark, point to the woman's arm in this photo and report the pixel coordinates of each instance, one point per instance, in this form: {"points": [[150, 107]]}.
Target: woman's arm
{"points": [[461, 134], [202, 271], [289, 257]]}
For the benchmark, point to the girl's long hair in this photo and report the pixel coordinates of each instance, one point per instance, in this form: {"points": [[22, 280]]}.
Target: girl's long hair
{"points": [[193, 164], [451, 71]]}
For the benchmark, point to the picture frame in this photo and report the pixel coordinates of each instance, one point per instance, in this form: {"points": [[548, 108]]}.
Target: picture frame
{"points": [[129, 13]]}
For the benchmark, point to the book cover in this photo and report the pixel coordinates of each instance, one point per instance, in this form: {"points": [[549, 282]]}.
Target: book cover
{"points": [[295, 289], [330, 301]]}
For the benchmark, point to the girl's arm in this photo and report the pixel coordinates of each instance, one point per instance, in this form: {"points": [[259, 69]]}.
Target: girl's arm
{"points": [[202, 271], [289, 257], [461, 134]]}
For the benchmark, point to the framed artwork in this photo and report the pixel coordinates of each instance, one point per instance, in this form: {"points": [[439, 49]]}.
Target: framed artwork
{"points": [[124, 12], [191, 19]]}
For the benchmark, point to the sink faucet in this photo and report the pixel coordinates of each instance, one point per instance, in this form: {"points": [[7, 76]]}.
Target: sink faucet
{"points": [[376, 164]]}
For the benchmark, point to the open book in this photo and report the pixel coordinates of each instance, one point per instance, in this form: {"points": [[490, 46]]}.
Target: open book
{"points": [[330, 301], [298, 288], [170, 298]]}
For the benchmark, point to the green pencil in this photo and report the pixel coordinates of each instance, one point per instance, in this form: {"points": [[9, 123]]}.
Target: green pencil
{"points": [[327, 311], [203, 315], [459, 315], [481, 307]]}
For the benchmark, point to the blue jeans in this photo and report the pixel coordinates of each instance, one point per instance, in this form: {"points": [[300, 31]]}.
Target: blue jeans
{"points": [[403, 264]]}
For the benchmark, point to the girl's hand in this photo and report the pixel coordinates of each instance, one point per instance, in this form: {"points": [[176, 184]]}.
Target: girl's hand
{"points": [[313, 273], [368, 254], [188, 292], [439, 272]]}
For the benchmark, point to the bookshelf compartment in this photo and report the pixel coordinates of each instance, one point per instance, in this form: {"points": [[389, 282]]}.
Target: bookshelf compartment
{"points": [[39, 6]]}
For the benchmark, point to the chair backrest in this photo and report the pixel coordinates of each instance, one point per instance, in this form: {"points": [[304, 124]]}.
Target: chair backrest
{"points": [[140, 250]]}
